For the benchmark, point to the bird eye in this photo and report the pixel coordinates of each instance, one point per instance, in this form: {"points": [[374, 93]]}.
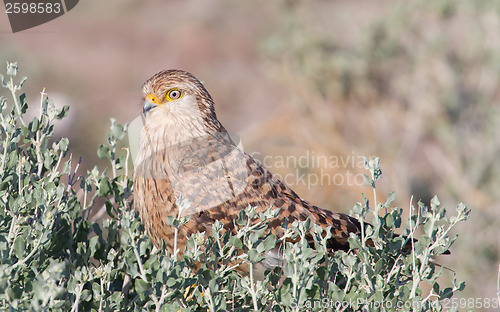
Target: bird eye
{"points": [[174, 94]]}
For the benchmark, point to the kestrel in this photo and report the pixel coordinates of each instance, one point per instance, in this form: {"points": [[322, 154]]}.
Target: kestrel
{"points": [[184, 149]]}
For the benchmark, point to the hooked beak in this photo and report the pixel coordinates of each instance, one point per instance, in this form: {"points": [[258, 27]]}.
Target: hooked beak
{"points": [[149, 104]]}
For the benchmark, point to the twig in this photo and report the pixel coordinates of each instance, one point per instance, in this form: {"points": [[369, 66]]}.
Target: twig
{"points": [[415, 274], [12, 89], [77, 299], [137, 256], [252, 289], [162, 298], [31, 254]]}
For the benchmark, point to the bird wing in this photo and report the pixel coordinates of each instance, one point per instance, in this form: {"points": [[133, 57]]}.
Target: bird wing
{"points": [[253, 185]]}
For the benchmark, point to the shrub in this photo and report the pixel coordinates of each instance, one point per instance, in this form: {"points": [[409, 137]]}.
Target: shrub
{"points": [[54, 257]]}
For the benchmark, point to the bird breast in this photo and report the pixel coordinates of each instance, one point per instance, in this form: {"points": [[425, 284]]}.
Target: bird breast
{"points": [[207, 169]]}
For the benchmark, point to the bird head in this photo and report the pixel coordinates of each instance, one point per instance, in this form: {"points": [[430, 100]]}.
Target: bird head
{"points": [[177, 96]]}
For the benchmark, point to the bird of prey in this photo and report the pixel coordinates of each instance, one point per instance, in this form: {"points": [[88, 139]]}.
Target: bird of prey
{"points": [[184, 149]]}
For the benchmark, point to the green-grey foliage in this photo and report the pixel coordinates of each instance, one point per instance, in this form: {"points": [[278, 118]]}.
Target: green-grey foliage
{"points": [[55, 257]]}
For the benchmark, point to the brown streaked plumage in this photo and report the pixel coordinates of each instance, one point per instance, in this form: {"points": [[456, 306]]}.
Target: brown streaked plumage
{"points": [[185, 150]]}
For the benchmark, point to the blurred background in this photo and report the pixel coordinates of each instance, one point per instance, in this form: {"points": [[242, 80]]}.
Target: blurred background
{"points": [[310, 87]]}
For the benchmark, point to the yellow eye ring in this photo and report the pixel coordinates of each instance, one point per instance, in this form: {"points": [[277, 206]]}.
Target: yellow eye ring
{"points": [[173, 94]]}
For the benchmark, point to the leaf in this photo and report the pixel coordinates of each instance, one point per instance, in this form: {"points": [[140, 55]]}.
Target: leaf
{"points": [[435, 202], [236, 242], [63, 144], [61, 113], [172, 221], [141, 287], [390, 199], [349, 260], [33, 126], [389, 221], [131, 264], [19, 247], [93, 245], [24, 104], [254, 256], [367, 180], [103, 152], [104, 187], [446, 293], [86, 295], [12, 68], [269, 243], [96, 288], [72, 283], [22, 81]]}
